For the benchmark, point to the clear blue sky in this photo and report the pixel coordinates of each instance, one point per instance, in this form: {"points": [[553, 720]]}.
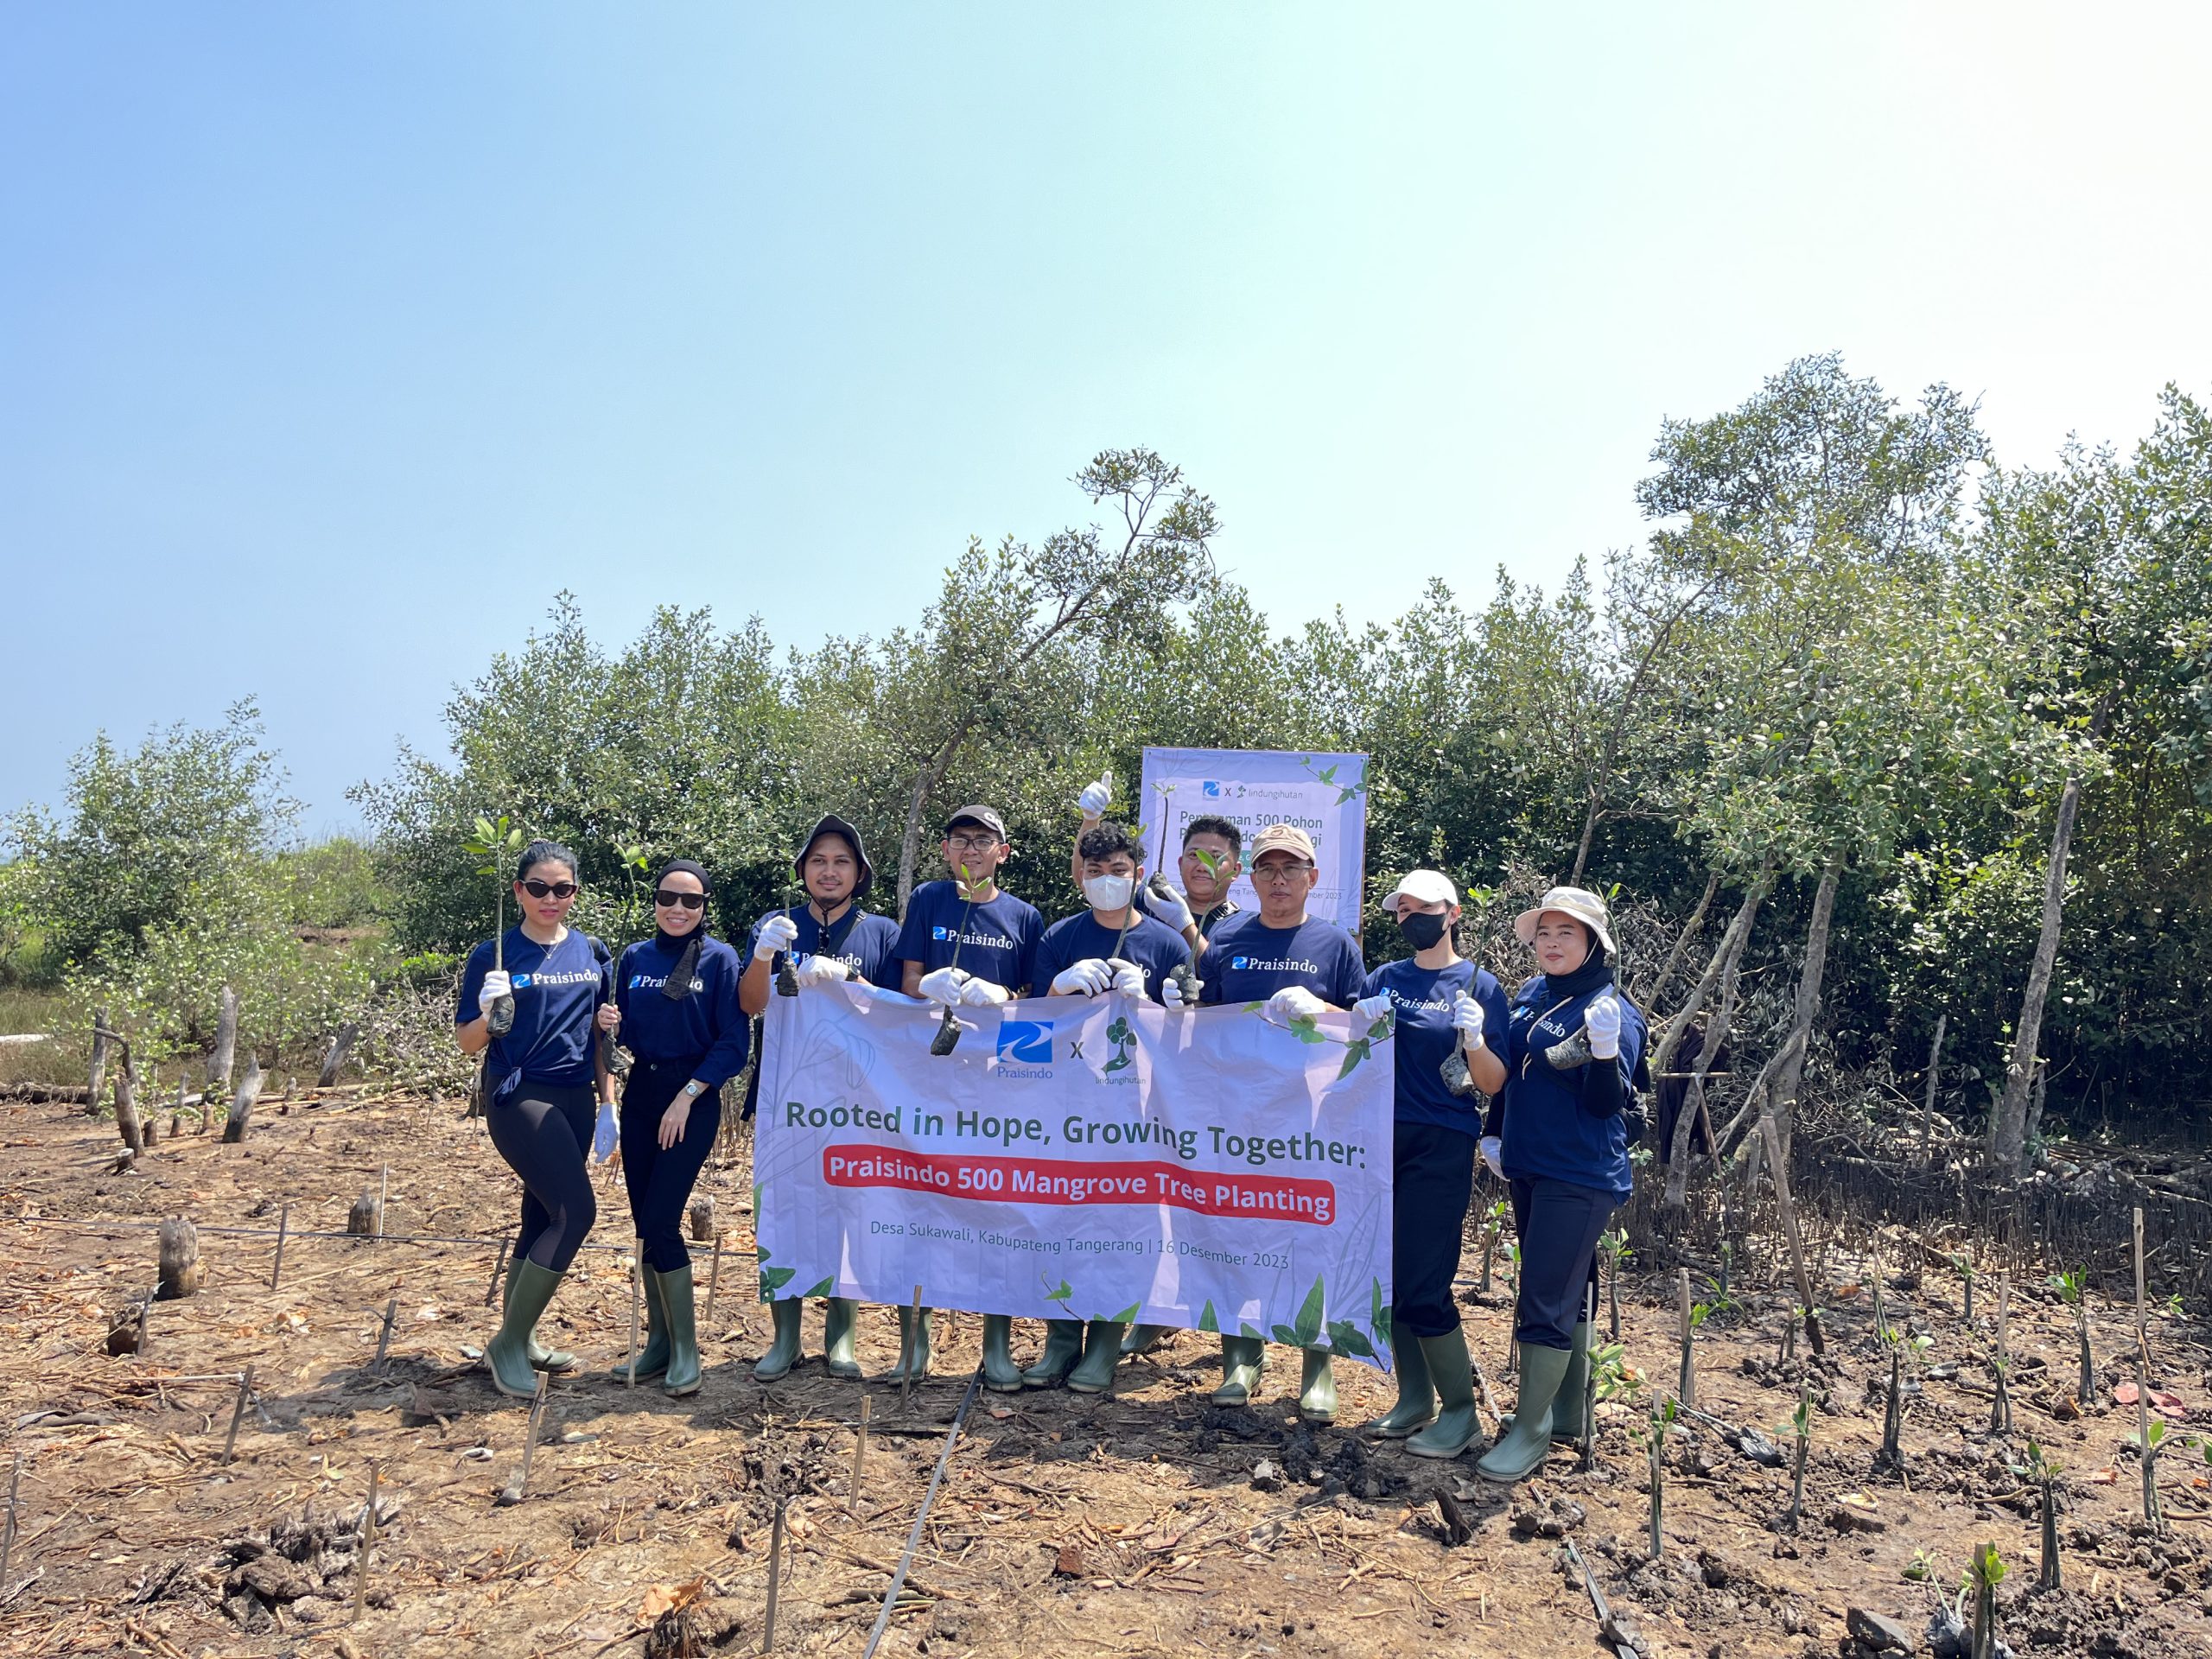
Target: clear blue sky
{"points": [[335, 339]]}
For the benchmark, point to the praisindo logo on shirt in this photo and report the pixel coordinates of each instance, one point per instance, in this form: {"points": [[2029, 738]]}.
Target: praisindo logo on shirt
{"points": [[648, 983], [567, 976], [1275, 964], [991, 941], [1024, 1048]]}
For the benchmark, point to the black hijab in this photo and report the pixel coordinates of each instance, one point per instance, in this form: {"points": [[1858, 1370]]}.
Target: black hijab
{"points": [[677, 985], [1595, 971]]}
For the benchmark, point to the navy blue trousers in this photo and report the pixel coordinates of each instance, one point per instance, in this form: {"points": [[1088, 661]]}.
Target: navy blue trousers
{"points": [[660, 1181], [1558, 1225], [1433, 1181]]}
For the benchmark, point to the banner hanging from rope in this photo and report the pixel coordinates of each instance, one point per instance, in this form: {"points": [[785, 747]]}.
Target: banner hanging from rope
{"points": [[1089, 1158]]}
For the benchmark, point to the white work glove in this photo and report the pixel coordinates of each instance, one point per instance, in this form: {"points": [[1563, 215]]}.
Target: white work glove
{"points": [[1296, 1002], [980, 993], [1602, 1019], [775, 934], [1163, 904], [1171, 995], [942, 987], [1129, 978], [496, 985], [822, 970], [1369, 1009], [1085, 978], [1466, 1019], [1489, 1145], [1096, 798]]}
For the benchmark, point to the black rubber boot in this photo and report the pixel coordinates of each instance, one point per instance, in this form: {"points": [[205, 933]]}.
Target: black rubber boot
{"points": [[507, 1355], [1416, 1407], [783, 1353], [1063, 1347], [913, 1345], [840, 1314], [1101, 1352], [1452, 1375], [652, 1359], [542, 1358], [682, 1372], [1001, 1374], [1242, 1360]]}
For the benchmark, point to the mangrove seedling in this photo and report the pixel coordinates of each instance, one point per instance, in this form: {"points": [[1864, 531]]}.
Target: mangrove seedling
{"points": [[1615, 1247], [1800, 1426], [1654, 1437], [1493, 1228], [787, 975], [1902, 1347], [498, 843], [1987, 1573], [2072, 1289], [948, 1031], [1921, 1569], [1965, 1265], [2043, 1474], [1686, 1388], [2150, 1441], [1186, 975], [1513, 1284]]}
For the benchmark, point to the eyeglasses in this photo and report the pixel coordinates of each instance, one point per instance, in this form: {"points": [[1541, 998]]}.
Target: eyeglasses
{"points": [[668, 898], [1290, 870], [538, 889], [982, 843]]}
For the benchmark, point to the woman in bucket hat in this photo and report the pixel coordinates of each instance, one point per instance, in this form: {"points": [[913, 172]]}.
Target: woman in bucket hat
{"points": [[1559, 1136]]}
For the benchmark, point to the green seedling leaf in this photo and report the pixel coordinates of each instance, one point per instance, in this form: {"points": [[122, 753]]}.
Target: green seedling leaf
{"points": [[1309, 1315], [1208, 1320]]}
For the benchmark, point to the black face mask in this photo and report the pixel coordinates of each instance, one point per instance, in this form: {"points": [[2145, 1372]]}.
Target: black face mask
{"points": [[1421, 928]]}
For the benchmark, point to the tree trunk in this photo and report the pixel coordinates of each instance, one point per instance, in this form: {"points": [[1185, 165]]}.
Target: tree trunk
{"points": [[1716, 1036], [1784, 1098], [126, 1102], [1935, 1077], [1731, 945], [99, 1062], [910, 842], [1650, 998], [341, 1045], [2008, 1131], [226, 1044], [241, 1114]]}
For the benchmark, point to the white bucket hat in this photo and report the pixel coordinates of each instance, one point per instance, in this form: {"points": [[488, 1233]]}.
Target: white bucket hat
{"points": [[1586, 906], [1423, 887]]}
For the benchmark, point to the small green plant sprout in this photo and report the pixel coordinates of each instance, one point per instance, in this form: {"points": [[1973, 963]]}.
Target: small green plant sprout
{"points": [[639, 903], [2171, 1308], [1921, 1569], [1612, 1375], [2149, 1442], [2042, 1473], [1983, 1576], [1798, 1315], [498, 843], [1964, 1263], [1799, 1428], [1654, 1439], [1613, 1245], [1513, 1283], [1493, 1230]]}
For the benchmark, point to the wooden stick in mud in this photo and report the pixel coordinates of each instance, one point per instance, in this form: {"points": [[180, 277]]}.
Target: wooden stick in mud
{"points": [[498, 1262], [283, 1226], [860, 1455], [237, 1413], [368, 1543]]}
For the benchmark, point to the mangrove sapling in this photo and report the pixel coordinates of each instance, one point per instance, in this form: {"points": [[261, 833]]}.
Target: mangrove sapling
{"points": [[2001, 1405], [1965, 1265], [1654, 1437], [2042, 1473], [948, 1031], [1615, 1247], [2073, 1288], [1512, 1287], [1186, 975], [1800, 1425], [1984, 1576], [498, 843], [1902, 1348], [1493, 1228], [786, 975], [2151, 1439], [1693, 1316]]}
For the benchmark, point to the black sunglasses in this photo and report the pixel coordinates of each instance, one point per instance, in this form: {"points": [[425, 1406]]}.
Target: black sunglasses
{"points": [[538, 889], [669, 898]]}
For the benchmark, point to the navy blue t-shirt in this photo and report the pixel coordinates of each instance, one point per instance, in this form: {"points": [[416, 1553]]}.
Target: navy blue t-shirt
{"points": [[1421, 998], [998, 941], [868, 944], [557, 989], [1247, 961], [1546, 1134], [1153, 946], [707, 1027]]}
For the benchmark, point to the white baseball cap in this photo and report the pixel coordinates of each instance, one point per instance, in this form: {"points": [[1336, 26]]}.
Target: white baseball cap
{"points": [[1423, 887], [1586, 906]]}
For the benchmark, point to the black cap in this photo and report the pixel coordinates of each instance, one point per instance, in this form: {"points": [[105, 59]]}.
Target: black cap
{"points": [[983, 815], [831, 824]]}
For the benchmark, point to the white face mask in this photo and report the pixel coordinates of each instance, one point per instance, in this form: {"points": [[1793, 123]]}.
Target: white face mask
{"points": [[1108, 892]]}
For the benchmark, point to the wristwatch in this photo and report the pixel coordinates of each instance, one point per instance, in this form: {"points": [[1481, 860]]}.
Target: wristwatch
{"points": [[694, 1089]]}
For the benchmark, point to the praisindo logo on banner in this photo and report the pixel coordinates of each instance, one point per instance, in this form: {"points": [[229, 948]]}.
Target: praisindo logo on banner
{"points": [[1025, 1048]]}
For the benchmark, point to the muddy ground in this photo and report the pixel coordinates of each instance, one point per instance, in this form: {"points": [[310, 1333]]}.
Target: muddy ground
{"points": [[1133, 1524]]}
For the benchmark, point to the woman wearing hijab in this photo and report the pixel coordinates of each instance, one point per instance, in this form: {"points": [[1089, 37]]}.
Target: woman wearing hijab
{"points": [[540, 1075], [1441, 1004], [1559, 1135], [676, 1010]]}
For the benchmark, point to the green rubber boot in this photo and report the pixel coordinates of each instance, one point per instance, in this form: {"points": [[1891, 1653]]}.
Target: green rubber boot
{"points": [[1101, 1352], [1566, 1406], [681, 1369], [1452, 1375], [1143, 1338], [783, 1353], [542, 1358], [1416, 1407], [1242, 1360], [913, 1345], [652, 1359], [507, 1355], [840, 1317], [1063, 1347], [1001, 1374], [1316, 1389], [1519, 1453]]}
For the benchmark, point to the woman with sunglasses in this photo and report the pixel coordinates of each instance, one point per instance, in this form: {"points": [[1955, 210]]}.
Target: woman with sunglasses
{"points": [[676, 1010], [542, 1077]]}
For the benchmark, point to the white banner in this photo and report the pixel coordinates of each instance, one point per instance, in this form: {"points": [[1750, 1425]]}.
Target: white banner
{"points": [[1080, 1157], [1324, 795]]}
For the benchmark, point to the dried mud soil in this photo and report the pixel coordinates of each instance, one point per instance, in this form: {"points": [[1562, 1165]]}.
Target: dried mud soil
{"points": [[1132, 1524]]}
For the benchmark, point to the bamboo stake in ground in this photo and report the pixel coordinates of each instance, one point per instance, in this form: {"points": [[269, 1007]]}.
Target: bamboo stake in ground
{"points": [[907, 1350], [519, 1487], [238, 1411], [859, 1457], [498, 1262], [384, 1337], [283, 1226], [2151, 1512], [1771, 1138], [2000, 1408], [714, 1276], [1686, 1384], [384, 1189], [368, 1542], [775, 1574]]}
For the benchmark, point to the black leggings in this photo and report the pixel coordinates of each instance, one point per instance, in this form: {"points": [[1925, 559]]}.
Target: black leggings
{"points": [[1559, 1224], [543, 1131], [660, 1182], [1434, 1178]]}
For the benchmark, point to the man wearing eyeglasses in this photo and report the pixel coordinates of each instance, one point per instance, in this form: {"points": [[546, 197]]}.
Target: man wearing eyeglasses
{"points": [[992, 936], [1298, 966]]}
